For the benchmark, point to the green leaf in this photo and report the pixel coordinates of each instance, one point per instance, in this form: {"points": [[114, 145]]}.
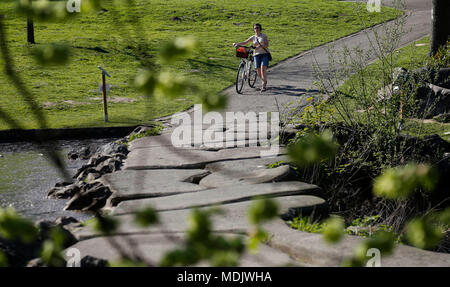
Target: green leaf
{"points": [[199, 226], [333, 229], [225, 258], [146, 217], [353, 262], [43, 10], [171, 85], [58, 236], [180, 47], [262, 210], [48, 55], [127, 263], [313, 148], [256, 237], [145, 81], [3, 260], [12, 226], [51, 254], [104, 224], [423, 234], [213, 102], [400, 182], [182, 257], [381, 240], [444, 216]]}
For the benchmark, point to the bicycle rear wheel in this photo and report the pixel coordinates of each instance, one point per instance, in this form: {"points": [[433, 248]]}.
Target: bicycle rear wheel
{"points": [[252, 74], [240, 78]]}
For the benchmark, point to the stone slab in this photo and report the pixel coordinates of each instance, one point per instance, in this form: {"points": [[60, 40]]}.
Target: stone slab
{"points": [[311, 249], [135, 184], [235, 177], [152, 248], [229, 139], [233, 217], [217, 196], [169, 157], [245, 165]]}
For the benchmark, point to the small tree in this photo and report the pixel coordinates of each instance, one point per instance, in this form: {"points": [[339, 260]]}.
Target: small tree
{"points": [[440, 25]]}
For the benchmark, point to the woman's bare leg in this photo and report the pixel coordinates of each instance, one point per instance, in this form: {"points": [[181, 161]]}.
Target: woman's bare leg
{"points": [[264, 75]]}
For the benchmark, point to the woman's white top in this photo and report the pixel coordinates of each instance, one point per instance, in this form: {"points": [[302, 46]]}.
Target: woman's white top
{"points": [[261, 39]]}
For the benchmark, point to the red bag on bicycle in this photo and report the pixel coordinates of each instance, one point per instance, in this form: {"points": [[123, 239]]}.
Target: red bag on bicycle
{"points": [[242, 52]]}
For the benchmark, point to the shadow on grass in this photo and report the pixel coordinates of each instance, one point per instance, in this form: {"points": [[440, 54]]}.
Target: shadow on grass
{"points": [[210, 66]]}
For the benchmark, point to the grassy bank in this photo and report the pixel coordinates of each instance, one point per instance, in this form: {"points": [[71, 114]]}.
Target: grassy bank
{"points": [[412, 56], [69, 95]]}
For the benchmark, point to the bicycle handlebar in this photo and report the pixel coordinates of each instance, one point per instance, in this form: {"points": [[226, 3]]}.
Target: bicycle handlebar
{"points": [[251, 47]]}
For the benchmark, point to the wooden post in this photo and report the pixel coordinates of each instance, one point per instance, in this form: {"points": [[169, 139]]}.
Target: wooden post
{"points": [[30, 31], [30, 27], [105, 106]]}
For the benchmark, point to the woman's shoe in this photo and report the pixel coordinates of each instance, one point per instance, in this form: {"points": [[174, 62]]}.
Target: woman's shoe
{"points": [[263, 89]]}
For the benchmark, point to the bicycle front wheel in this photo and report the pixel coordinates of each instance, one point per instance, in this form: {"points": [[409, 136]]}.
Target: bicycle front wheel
{"points": [[240, 78], [252, 74]]}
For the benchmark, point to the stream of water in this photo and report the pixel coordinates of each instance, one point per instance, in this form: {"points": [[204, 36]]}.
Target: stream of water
{"points": [[26, 175]]}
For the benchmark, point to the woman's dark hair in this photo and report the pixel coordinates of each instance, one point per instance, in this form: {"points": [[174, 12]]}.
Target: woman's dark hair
{"points": [[257, 25]]}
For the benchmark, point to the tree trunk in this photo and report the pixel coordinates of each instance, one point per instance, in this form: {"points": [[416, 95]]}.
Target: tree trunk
{"points": [[440, 32], [30, 31]]}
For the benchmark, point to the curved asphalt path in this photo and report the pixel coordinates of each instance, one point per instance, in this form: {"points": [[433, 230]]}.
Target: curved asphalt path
{"points": [[291, 81]]}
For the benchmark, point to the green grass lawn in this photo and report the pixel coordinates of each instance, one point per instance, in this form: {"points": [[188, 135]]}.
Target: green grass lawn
{"points": [[411, 57], [69, 97]]}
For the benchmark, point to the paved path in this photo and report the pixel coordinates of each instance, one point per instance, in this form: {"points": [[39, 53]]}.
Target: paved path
{"points": [[174, 180], [291, 81]]}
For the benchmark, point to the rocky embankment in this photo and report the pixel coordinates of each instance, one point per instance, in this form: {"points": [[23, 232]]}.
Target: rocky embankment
{"points": [[86, 193]]}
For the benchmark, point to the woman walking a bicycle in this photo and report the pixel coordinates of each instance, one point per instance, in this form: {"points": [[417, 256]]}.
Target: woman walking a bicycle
{"points": [[260, 53]]}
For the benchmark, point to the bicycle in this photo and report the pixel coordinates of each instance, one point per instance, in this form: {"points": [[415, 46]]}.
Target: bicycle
{"points": [[246, 70]]}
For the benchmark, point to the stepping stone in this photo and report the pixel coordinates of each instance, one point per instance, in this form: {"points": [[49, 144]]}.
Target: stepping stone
{"points": [[224, 195], [169, 157], [229, 139], [230, 177], [233, 217], [246, 171], [311, 249], [152, 248], [245, 164], [136, 184]]}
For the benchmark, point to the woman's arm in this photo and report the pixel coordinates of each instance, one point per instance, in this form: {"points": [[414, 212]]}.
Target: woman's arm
{"points": [[244, 43]]}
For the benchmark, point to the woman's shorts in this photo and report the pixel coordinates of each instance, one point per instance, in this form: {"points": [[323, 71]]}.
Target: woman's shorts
{"points": [[261, 60]]}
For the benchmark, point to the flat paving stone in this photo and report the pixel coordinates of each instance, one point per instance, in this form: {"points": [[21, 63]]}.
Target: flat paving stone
{"points": [[224, 195], [233, 177], [245, 165], [311, 249], [136, 184], [231, 139], [232, 218], [169, 157], [152, 248]]}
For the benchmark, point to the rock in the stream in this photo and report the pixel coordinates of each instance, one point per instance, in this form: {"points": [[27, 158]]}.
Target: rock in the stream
{"points": [[96, 160], [113, 148], [63, 192], [84, 152], [45, 228], [20, 254], [62, 184], [109, 165], [91, 198], [90, 261]]}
